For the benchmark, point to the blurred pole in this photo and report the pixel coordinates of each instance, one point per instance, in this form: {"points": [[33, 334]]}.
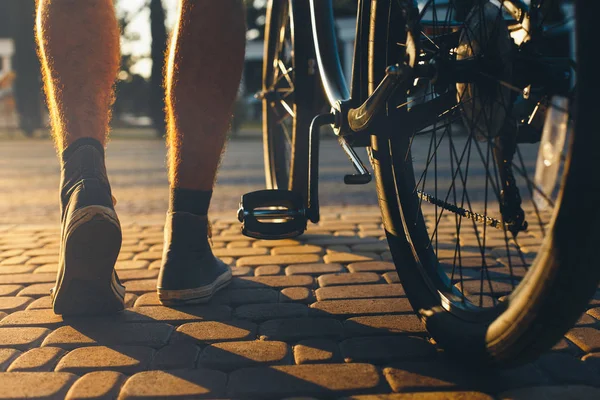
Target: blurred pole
{"points": [[28, 86], [159, 46]]}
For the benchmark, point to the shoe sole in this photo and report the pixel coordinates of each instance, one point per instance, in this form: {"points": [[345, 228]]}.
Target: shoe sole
{"points": [[86, 284], [198, 295]]}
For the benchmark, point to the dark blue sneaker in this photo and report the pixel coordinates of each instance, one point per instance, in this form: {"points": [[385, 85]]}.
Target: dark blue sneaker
{"points": [[90, 239], [190, 273]]}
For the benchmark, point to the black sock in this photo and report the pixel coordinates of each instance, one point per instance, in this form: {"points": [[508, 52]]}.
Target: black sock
{"points": [[191, 201], [86, 141]]}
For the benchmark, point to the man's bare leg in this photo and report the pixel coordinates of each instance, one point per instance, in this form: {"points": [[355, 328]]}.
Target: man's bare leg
{"points": [[204, 68], [79, 49]]}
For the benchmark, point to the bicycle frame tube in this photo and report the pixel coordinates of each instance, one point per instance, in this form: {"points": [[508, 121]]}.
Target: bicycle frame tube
{"points": [[325, 39]]}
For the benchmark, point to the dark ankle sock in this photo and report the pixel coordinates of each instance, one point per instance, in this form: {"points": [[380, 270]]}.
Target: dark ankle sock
{"points": [[191, 201], [86, 141]]}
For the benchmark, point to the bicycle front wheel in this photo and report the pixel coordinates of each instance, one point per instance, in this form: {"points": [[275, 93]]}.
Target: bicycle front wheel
{"points": [[493, 259], [289, 90]]}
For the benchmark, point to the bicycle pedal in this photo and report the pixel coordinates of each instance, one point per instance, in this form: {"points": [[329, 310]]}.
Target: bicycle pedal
{"points": [[272, 214]]}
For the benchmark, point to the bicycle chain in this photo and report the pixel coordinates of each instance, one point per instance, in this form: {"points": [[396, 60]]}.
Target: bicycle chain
{"points": [[493, 222]]}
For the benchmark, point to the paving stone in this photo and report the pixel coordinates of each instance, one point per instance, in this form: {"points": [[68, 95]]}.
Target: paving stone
{"points": [[231, 238], [230, 356], [359, 307], [391, 277], [128, 275], [296, 295], [241, 252], [385, 349], [176, 356], [48, 268], [271, 281], [263, 312], [321, 380], [173, 315], [267, 270], [6, 358], [346, 258], [348, 279], [317, 351], [41, 260], [37, 290], [303, 249], [131, 264], [255, 261], [148, 255], [232, 245], [13, 253], [137, 248], [213, 331], [10, 290], [21, 338], [359, 291], [384, 325], [338, 249], [236, 297], [566, 369], [435, 375], [124, 359], [496, 381], [372, 266], [294, 329], [12, 304], [327, 240], [17, 269], [42, 359], [14, 261], [45, 318], [552, 393], [379, 247], [91, 333], [141, 286], [27, 278], [125, 256], [314, 269], [97, 385], [35, 385], [586, 338], [241, 271], [187, 383]]}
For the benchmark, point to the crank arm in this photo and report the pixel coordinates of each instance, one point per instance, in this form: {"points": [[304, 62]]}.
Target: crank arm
{"points": [[360, 118]]}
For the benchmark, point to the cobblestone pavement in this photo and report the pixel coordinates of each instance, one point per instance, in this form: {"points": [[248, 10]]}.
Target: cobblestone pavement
{"points": [[321, 316]]}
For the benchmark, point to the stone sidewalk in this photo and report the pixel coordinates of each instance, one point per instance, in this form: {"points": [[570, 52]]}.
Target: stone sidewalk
{"points": [[321, 316]]}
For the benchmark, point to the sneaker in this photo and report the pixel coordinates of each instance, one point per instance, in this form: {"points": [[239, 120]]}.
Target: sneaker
{"points": [[90, 239], [190, 273]]}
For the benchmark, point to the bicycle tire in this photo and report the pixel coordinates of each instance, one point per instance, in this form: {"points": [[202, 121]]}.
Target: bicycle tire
{"points": [[286, 126], [557, 287]]}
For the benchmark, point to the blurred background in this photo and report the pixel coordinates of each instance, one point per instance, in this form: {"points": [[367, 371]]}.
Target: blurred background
{"points": [[29, 171], [145, 27]]}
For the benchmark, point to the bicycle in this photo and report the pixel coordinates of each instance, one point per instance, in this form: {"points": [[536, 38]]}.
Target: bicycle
{"points": [[436, 86]]}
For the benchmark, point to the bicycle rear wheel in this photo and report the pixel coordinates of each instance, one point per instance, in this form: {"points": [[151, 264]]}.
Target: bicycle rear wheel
{"points": [[289, 90], [493, 277]]}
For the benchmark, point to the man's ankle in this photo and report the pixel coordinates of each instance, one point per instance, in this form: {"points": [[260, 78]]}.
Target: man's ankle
{"points": [[195, 202], [76, 145]]}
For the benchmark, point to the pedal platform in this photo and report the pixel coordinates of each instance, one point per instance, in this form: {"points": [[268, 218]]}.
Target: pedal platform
{"points": [[272, 214]]}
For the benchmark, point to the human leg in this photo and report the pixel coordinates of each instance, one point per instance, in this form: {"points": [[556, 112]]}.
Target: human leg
{"points": [[204, 68], [79, 49]]}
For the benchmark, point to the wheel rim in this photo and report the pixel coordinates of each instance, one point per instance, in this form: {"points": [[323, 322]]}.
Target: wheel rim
{"points": [[474, 267], [280, 106]]}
